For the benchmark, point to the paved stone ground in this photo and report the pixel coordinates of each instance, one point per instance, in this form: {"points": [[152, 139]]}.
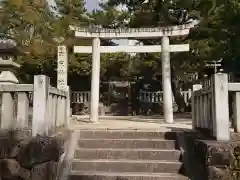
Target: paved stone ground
{"points": [[132, 122]]}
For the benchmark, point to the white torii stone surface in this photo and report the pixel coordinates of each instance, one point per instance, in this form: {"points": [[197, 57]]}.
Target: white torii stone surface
{"points": [[144, 34], [166, 80], [95, 80], [96, 33], [132, 49], [156, 32]]}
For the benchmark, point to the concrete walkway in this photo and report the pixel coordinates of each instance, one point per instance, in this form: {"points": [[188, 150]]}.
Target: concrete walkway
{"points": [[131, 122]]}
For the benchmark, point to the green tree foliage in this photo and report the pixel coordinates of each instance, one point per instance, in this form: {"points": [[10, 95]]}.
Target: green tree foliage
{"points": [[108, 16], [38, 31], [73, 13], [216, 37], [69, 12], [29, 23]]}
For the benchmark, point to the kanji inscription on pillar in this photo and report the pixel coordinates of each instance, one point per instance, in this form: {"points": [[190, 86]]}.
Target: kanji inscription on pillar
{"points": [[62, 67]]}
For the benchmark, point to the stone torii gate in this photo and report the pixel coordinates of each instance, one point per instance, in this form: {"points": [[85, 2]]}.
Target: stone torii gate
{"points": [[165, 48]]}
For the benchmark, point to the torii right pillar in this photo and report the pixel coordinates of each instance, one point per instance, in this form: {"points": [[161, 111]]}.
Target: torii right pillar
{"points": [[166, 80]]}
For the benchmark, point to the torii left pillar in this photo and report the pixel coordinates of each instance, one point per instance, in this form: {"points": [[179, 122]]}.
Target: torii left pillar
{"points": [[95, 80], [166, 80]]}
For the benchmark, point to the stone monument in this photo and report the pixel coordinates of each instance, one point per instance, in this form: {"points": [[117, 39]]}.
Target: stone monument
{"points": [[8, 50]]}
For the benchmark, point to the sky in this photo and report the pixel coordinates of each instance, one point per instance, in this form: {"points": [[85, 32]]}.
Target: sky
{"points": [[91, 4]]}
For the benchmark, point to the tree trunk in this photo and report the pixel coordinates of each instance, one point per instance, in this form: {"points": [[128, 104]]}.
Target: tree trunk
{"points": [[179, 99]]}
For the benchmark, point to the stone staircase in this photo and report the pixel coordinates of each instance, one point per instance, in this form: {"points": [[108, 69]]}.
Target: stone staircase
{"points": [[126, 155]]}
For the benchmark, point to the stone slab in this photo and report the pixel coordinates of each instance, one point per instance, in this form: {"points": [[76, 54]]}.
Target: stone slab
{"points": [[124, 176], [131, 154], [127, 143], [127, 134], [150, 166]]}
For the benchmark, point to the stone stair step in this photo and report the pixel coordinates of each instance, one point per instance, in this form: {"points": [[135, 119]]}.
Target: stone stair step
{"points": [[90, 175], [150, 166], [126, 134], [127, 143], [131, 154]]}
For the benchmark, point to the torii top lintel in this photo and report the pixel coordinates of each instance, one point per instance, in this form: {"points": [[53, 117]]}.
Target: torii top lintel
{"points": [[156, 32]]}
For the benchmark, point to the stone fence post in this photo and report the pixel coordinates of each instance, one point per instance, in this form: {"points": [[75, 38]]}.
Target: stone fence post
{"points": [[221, 123], [40, 100], [210, 107], [195, 114], [68, 108]]}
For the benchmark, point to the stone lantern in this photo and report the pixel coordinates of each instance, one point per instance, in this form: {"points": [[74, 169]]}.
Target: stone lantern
{"points": [[8, 50]]}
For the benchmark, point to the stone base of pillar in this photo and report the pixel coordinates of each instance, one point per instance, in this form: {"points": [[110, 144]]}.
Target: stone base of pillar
{"points": [[8, 77]]}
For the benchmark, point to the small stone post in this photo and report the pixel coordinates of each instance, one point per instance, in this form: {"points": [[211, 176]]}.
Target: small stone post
{"points": [[195, 116], [236, 112], [67, 106]]}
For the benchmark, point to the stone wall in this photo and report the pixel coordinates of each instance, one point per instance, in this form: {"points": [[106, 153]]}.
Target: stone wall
{"points": [[23, 157], [216, 158], [210, 159]]}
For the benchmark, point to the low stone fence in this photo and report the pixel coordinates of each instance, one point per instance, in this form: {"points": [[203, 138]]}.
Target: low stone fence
{"points": [[211, 106], [50, 106], [144, 96], [81, 101], [81, 96], [31, 114], [157, 96]]}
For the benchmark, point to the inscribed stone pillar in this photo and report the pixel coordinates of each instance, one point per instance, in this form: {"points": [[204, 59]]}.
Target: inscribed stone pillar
{"points": [[62, 66], [195, 113], [62, 78]]}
